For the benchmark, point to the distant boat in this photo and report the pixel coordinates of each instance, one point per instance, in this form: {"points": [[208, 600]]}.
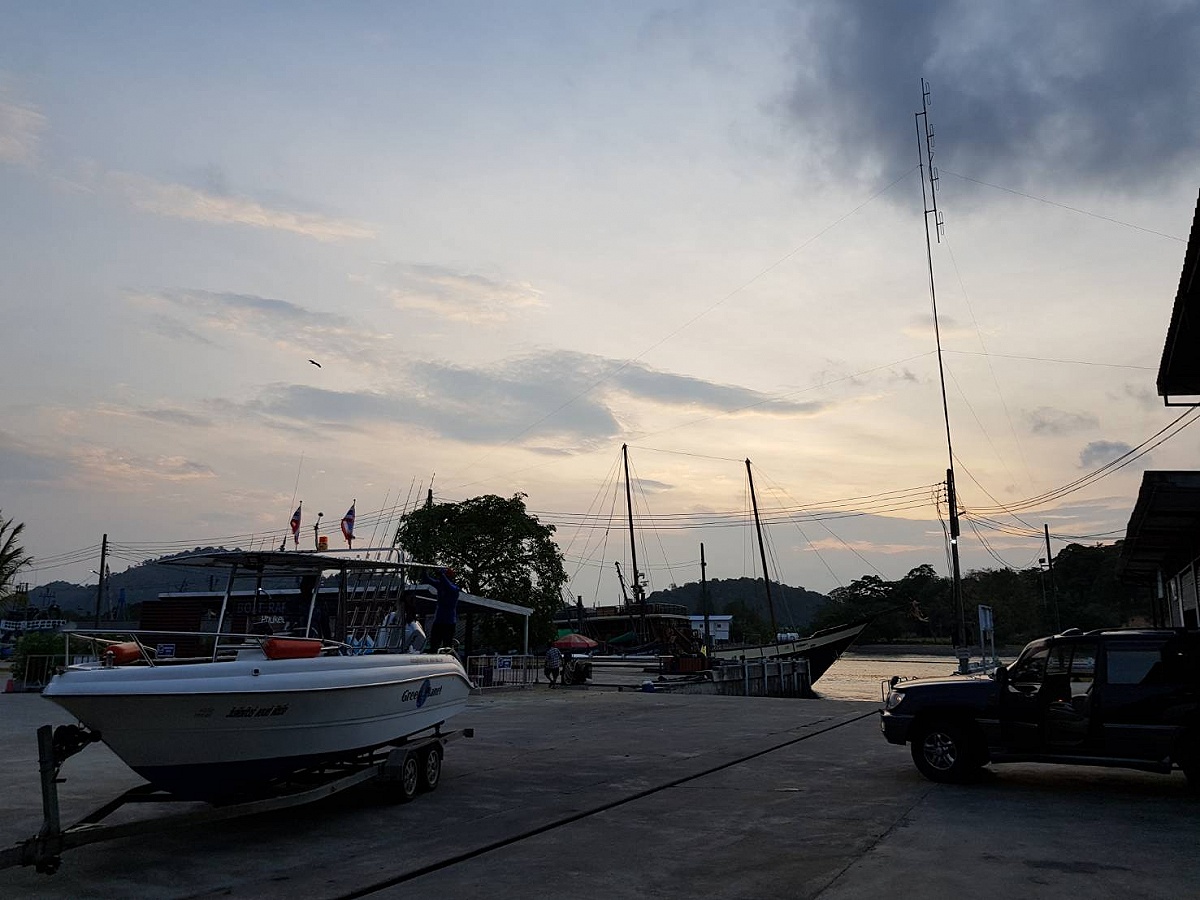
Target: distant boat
{"points": [[821, 648], [640, 626]]}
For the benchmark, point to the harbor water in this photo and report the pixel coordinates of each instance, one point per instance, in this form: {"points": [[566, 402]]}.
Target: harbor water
{"points": [[858, 674]]}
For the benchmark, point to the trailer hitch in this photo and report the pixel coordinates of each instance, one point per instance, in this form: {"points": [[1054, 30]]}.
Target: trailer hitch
{"points": [[69, 740]]}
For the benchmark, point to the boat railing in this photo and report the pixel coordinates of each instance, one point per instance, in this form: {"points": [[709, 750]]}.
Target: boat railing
{"points": [[160, 647]]}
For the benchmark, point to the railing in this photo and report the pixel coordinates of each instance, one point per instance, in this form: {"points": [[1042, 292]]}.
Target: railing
{"points": [[504, 671], [38, 670]]}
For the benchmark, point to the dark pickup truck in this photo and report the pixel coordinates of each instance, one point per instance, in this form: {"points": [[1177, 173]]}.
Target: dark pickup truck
{"points": [[1127, 698]]}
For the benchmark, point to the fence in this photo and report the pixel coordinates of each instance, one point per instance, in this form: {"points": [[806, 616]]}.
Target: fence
{"points": [[38, 670], [764, 678], [504, 671]]}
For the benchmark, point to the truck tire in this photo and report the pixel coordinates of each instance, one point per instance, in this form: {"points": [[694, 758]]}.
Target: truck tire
{"points": [[945, 752]]}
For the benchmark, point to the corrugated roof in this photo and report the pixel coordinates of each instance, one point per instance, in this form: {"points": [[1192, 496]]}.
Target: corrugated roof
{"points": [[1179, 370], [1164, 527]]}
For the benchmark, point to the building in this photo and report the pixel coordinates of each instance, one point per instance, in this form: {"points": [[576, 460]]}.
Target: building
{"points": [[1161, 550], [718, 627]]}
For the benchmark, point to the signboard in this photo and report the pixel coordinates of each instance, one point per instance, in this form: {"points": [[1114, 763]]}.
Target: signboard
{"points": [[986, 625], [503, 662], [164, 651]]}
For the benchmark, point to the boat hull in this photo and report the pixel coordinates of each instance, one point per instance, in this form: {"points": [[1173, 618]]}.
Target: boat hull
{"points": [[207, 730], [821, 649]]}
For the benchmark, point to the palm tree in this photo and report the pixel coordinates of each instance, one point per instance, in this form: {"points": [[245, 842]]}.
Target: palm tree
{"points": [[13, 557]]}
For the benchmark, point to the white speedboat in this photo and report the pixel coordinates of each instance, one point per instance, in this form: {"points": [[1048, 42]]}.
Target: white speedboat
{"points": [[256, 707]]}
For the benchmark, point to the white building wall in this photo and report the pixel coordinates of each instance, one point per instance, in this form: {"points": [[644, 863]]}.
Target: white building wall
{"points": [[718, 627]]}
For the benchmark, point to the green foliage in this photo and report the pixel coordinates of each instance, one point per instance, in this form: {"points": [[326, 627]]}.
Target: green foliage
{"points": [[747, 626], [1083, 592], [795, 607], [497, 550], [13, 557], [37, 644]]}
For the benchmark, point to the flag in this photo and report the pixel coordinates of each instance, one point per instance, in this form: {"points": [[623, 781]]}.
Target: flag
{"points": [[296, 524], [348, 524]]}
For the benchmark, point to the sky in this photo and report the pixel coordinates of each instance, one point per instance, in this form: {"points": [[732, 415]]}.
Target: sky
{"points": [[517, 236]]}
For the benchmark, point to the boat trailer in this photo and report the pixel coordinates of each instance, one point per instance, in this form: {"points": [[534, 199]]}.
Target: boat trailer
{"points": [[402, 769]]}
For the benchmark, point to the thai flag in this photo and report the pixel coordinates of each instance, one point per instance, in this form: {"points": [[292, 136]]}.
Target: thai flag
{"points": [[348, 524], [296, 525]]}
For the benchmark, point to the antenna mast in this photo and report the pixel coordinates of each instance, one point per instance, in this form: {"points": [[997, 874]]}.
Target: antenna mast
{"points": [[925, 153]]}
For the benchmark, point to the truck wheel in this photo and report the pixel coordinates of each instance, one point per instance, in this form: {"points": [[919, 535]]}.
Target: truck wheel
{"points": [[431, 768], [404, 785], [944, 752]]}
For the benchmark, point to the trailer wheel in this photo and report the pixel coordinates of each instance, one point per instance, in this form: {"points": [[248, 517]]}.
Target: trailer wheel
{"points": [[404, 785], [431, 767]]}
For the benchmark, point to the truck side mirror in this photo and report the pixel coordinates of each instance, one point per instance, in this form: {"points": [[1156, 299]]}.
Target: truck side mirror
{"points": [[1001, 675]]}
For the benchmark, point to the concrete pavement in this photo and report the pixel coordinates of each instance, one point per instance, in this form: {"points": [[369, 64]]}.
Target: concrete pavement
{"points": [[631, 795]]}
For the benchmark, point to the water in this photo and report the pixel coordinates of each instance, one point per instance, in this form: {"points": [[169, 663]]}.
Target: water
{"points": [[856, 676]]}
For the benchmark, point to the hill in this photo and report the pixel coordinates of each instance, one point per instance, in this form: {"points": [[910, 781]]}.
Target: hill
{"points": [[795, 607]]}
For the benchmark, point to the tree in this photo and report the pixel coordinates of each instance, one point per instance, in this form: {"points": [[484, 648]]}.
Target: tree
{"points": [[13, 557], [497, 550]]}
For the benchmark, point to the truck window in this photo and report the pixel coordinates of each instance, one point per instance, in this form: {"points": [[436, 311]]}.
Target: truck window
{"points": [[1031, 667], [1135, 664], [1083, 669]]}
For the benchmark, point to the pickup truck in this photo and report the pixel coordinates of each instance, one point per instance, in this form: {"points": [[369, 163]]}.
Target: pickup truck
{"points": [[1128, 698]]}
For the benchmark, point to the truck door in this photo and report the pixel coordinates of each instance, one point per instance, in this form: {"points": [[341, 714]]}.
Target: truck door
{"points": [[1145, 694], [1020, 701], [1069, 698]]}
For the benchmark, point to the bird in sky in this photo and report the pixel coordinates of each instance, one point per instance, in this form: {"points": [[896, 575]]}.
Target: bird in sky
{"points": [[315, 363]]}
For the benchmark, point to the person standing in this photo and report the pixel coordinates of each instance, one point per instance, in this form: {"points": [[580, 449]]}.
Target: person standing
{"points": [[553, 664], [445, 615]]}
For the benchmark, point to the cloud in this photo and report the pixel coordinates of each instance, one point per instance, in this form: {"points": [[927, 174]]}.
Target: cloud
{"points": [[21, 127], [66, 463], [1097, 453], [110, 467], [1097, 93], [180, 201], [282, 322], [1047, 420], [457, 296], [22, 462], [167, 416], [551, 401]]}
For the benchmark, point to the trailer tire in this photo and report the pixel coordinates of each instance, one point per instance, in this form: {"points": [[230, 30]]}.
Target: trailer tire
{"points": [[403, 786], [431, 767]]}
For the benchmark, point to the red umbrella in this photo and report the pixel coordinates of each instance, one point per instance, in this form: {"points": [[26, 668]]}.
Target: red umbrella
{"points": [[576, 642]]}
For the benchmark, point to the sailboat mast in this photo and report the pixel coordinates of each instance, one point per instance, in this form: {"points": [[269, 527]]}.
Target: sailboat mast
{"points": [[762, 552], [925, 154], [637, 575]]}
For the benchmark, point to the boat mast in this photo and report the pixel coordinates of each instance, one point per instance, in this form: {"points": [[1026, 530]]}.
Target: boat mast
{"points": [[929, 205], [639, 593], [762, 552]]}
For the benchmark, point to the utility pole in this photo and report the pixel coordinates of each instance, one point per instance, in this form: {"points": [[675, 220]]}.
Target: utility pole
{"points": [[100, 583], [1053, 587], [704, 601]]}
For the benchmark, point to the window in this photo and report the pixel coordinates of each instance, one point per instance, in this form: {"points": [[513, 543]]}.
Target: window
{"points": [[1031, 667], [1134, 664], [1083, 669]]}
